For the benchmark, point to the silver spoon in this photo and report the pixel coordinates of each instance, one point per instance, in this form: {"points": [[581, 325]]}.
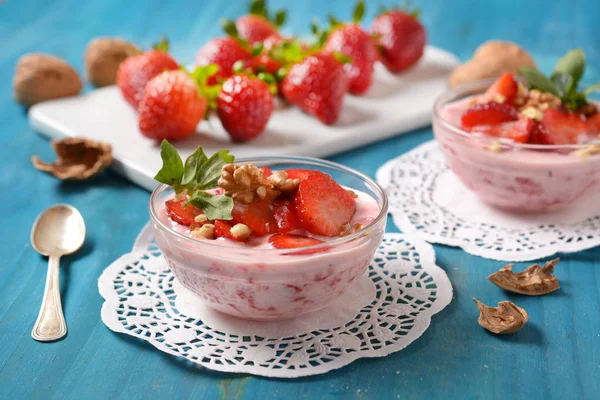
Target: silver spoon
{"points": [[56, 232]]}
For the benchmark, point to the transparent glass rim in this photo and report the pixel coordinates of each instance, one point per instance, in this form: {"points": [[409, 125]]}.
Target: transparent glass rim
{"points": [[268, 160], [456, 94]]}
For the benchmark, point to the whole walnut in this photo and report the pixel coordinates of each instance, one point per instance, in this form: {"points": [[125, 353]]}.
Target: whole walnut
{"points": [[103, 57], [491, 59], [40, 77]]}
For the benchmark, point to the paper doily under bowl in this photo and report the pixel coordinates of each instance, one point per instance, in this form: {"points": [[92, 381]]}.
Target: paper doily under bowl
{"points": [[428, 200], [384, 311]]}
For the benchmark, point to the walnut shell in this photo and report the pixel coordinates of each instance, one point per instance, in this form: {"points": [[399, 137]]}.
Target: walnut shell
{"points": [[534, 281], [491, 59], [78, 159], [40, 77], [504, 319], [103, 57]]}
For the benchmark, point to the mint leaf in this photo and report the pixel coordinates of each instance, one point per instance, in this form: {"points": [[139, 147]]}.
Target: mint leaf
{"points": [[565, 84], [593, 88], [537, 80], [171, 172], [193, 166], [573, 64], [203, 173], [214, 207]]}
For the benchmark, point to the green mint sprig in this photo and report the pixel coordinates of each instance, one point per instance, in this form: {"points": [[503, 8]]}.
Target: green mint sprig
{"points": [[199, 174], [564, 81]]}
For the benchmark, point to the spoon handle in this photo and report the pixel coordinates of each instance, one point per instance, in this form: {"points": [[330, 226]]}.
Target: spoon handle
{"points": [[50, 324]]}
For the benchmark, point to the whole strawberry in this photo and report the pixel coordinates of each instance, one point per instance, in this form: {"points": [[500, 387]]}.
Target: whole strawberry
{"points": [[257, 26], [136, 71], [244, 105], [401, 38], [171, 107], [352, 41], [317, 86], [224, 52]]}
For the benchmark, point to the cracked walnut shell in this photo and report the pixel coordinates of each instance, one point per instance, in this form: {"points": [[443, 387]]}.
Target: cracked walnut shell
{"points": [[534, 281], [504, 319], [246, 183], [78, 159]]}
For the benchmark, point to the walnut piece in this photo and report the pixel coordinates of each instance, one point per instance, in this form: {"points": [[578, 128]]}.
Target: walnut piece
{"points": [[282, 183], [103, 57], [246, 183], [78, 159], [534, 281], [39, 77], [506, 318], [541, 101], [206, 231], [241, 231], [491, 59]]}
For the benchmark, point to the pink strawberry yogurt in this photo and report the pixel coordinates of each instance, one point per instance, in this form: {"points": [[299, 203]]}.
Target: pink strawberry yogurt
{"points": [[255, 281], [509, 175]]}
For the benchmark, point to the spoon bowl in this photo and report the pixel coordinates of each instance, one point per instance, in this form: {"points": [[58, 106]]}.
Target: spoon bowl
{"points": [[56, 232]]}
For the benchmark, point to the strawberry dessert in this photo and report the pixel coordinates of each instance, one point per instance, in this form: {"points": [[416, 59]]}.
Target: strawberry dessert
{"points": [[266, 242], [528, 145]]}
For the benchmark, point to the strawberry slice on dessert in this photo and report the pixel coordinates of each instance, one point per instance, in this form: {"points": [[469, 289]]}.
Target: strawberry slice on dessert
{"points": [[491, 113], [563, 127], [222, 229], [519, 131], [257, 216], [183, 215], [285, 215], [323, 206], [288, 241], [504, 90]]}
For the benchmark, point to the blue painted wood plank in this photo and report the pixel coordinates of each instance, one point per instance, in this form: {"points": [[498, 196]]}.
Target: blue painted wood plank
{"points": [[555, 356]]}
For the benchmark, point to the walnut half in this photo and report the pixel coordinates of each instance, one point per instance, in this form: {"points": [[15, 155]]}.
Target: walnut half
{"points": [[246, 183], [506, 318], [78, 159], [534, 281]]}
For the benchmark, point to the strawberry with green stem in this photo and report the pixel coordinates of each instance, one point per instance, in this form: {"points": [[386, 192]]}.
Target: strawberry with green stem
{"points": [[353, 42], [136, 71], [174, 102], [258, 24], [400, 37]]}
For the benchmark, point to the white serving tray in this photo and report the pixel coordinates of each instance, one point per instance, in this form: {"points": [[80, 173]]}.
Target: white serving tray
{"points": [[393, 105]]}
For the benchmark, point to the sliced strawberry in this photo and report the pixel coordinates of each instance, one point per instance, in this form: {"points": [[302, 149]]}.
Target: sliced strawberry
{"points": [[266, 171], [181, 214], [257, 216], [539, 135], [302, 174], [563, 127], [593, 124], [505, 86], [323, 206], [287, 241], [519, 131], [491, 113], [223, 229], [285, 215]]}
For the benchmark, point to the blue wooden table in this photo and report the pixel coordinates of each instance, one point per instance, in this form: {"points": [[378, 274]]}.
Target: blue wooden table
{"points": [[557, 355]]}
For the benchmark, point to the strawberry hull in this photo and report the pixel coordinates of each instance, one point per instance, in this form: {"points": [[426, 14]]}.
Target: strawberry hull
{"points": [[255, 280], [514, 176]]}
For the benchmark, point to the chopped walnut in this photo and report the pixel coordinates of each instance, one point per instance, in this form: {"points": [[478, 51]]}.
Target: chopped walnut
{"points": [[282, 183], [506, 318], [540, 100], [495, 147], [206, 231], [241, 231], [587, 151], [534, 281], [522, 95], [352, 193], [200, 218], [349, 229], [246, 183], [78, 159], [533, 113]]}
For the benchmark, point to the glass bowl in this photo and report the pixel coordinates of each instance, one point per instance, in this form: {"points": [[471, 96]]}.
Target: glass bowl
{"points": [[271, 284], [512, 176]]}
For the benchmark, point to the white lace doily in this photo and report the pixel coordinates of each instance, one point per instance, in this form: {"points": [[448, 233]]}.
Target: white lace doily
{"points": [[386, 310], [427, 199]]}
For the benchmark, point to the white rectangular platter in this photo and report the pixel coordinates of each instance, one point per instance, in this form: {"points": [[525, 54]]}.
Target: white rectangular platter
{"points": [[393, 105]]}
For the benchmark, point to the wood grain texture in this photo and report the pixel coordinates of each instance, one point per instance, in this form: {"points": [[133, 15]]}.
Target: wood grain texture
{"points": [[556, 355]]}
